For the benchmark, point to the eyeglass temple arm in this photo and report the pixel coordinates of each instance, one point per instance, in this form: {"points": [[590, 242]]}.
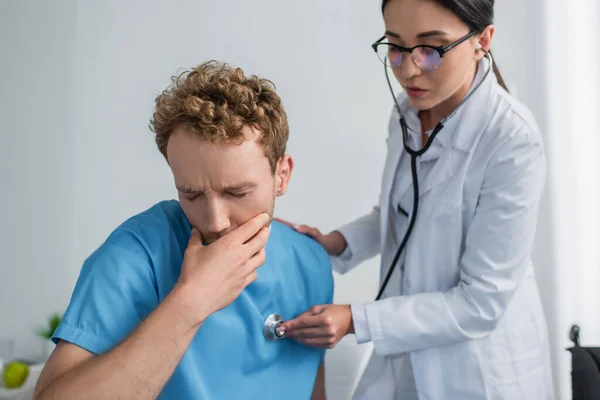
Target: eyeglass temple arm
{"points": [[374, 45], [453, 45]]}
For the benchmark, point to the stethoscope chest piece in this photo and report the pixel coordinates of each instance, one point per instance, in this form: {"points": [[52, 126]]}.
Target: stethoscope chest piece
{"points": [[270, 327]]}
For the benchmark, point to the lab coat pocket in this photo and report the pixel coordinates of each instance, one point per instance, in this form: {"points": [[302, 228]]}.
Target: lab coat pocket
{"points": [[514, 357], [515, 362]]}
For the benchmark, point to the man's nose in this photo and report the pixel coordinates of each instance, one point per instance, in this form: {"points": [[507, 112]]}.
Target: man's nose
{"points": [[218, 217]]}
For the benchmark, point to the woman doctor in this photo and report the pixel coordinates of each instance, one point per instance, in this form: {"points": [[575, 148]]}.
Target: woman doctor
{"points": [[459, 313]]}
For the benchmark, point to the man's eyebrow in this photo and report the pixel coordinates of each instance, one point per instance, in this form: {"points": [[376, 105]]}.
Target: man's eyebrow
{"points": [[187, 189], [234, 187], [421, 35]]}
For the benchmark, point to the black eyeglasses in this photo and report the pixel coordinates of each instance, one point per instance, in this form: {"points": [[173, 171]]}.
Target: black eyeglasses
{"points": [[427, 58]]}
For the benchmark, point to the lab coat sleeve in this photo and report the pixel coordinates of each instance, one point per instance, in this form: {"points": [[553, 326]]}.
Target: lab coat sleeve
{"points": [[496, 256], [363, 243], [360, 323]]}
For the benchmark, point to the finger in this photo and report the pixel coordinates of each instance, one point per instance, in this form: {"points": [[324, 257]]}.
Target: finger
{"points": [[250, 278], [318, 309], [255, 262], [249, 229], [314, 310], [283, 221], [195, 237], [303, 321], [310, 231], [258, 242], [304, 333], [321, 343], [304, 229]]}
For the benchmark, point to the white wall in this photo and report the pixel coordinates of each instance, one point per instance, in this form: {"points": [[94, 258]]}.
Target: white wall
{"points": [[37, 140], [78, 81]]}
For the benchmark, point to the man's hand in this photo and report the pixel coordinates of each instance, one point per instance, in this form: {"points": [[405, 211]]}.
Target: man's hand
{"points": [[213, 276], [321, 326]]}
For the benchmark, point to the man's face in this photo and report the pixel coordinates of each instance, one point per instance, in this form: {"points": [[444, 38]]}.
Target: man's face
{"points": [[221, 186]]}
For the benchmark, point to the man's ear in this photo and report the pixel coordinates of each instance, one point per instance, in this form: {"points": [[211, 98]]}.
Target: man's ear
{"points": [[285, 165]]}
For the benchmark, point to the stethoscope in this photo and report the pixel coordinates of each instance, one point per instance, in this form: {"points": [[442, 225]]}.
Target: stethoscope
{"points": [[270, 326], [413, 162], [273, 321]]}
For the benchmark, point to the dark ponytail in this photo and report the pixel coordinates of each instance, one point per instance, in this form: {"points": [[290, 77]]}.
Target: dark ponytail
{"points": [[477, 14]]}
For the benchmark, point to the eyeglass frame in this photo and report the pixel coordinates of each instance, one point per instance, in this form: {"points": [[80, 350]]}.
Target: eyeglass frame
{"points": [[442, 50]]}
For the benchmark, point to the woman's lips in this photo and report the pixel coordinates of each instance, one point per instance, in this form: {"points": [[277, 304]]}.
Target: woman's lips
{"points": [[415, 92]]}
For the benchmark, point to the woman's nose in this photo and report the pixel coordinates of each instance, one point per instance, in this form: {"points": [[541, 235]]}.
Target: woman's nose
{"points": [[407, 69]]}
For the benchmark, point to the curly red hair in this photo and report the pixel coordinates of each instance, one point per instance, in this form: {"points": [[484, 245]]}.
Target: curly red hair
{"points": [[215, 102]]}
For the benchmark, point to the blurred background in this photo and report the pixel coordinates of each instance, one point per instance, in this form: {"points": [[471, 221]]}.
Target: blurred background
{"points": [[77, 87]]}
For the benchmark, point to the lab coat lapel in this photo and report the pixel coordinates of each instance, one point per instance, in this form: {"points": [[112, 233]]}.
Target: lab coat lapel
{"points": [[443, 169], [461, 134], [395, 154]]}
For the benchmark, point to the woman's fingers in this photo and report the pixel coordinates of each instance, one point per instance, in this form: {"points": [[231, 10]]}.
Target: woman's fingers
{"points": [[321, 326], [303, 321], [283, 221], [321, 343], [303, 229], [301, 333], [308, 230]]}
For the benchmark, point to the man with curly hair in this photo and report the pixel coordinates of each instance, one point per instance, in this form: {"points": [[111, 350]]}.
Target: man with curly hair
{"points": [[172, 304]]}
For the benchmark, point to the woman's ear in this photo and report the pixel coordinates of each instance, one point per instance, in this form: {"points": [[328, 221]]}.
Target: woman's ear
{"points": [[285, 165], [484, 41]]}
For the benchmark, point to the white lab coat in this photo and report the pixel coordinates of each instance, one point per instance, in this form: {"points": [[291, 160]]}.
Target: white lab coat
{"points": [[466, 309]]}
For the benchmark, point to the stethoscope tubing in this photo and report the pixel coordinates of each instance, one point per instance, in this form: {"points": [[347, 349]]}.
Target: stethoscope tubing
{"points": [[413, 165]]}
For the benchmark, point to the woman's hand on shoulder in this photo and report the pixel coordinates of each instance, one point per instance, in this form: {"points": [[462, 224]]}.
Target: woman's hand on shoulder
{"points": [[334, 243]]}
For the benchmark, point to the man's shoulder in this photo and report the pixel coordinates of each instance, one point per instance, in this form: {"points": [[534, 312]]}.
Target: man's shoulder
{"points": [[161, 214], [310, 258], [123, 280], [295, 241], [152, 228]]}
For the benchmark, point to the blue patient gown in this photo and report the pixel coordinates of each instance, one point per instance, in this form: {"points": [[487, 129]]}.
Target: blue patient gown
{"points": [[126, 278]]}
